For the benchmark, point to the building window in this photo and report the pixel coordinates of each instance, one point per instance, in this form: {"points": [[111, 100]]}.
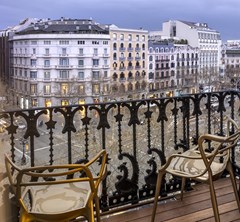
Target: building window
{"points": [[33, 88], [129, 37], [46, 42], [105, 42], [64, 102], [63, 42], [63, 61], [81, 90], [95, 42], [47, 89], [105, 74], [80, 51], [114, 36], [33, 42], [33, 62], [47, 75], [47, 63], [95, 75], [95, 51], [137, 37], [81, 42], [143, 38], [81, 75], [64, 88], [105, 51], [114, 46], [33, 75], [95, 62], [80, 62], [34, 51], [47, 51], [96, 88], [122, 37], [63, 74], [64, 51]]}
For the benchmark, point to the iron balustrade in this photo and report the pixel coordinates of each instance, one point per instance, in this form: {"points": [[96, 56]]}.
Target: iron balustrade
{"points": [[138, 136]]}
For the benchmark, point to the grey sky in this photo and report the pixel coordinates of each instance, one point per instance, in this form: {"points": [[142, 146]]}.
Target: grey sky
{"points": [[222, 15]]}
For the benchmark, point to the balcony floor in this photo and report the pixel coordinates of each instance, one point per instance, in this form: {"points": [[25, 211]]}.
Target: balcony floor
{"points": [[196, 206]]}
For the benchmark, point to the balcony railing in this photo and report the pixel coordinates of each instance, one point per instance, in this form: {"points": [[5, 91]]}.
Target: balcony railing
{"points": [[138, 136]]}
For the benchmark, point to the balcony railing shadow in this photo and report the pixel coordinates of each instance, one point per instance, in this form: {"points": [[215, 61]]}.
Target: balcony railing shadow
{"points": [[137, 135]]}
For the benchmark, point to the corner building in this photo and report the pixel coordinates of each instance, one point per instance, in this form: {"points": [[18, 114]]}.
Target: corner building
{"points": [[60, 62]]}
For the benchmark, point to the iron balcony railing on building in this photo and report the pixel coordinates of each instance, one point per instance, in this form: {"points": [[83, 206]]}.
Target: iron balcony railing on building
{"points": [[138, 136]]}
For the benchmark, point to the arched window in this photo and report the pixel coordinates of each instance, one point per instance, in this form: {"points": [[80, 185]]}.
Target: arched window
{"points": [[150, 66], [129, 45], [115, 76], [114, 56], [130, 86], [143, 46], [114, 88], [150, 49], [151, 75], [122, 76], [143, 73], [143, 55], [137, 86], [144, 84], [114, 65], [157, 50], [130, 75], [150, 58], [121, 45], [143, 64], [122, 88], [114, 46]]}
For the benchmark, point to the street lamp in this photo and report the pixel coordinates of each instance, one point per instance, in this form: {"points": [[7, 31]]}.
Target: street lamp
{"points": [[24, 144]]}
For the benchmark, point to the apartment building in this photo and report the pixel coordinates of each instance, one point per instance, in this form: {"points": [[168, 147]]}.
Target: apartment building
{"points": [[129, 63], [199, 35], [60, 62], [172, 68], [231, 64]]}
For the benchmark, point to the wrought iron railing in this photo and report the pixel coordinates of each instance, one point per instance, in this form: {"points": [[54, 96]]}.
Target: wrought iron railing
{"points": [[138, 136]]}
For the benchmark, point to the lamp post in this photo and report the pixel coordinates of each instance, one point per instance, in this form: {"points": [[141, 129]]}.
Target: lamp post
{"points": [[24, 144]]}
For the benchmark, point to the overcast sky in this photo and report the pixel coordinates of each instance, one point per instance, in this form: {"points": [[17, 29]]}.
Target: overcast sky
{"points": [[222, 15]]}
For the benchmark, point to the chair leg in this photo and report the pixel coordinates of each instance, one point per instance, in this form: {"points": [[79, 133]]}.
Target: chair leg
{"points": [[25, 217], [214, 200], [157, 192], [91, 213], [234, 183], [97, 207], [183, 186]]}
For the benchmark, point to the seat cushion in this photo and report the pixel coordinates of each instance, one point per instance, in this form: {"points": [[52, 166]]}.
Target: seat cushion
{"points": [[193, 167], [59, 198]]}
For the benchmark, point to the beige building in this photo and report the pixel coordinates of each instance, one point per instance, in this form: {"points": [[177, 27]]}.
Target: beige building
{"points": [[129, 58]]}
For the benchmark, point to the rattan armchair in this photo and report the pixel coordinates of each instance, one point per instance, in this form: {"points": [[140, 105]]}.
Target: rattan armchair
{"points": [[55, 193], [199, 165]]}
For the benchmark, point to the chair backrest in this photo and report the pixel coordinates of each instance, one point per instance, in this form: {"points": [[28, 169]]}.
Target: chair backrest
{"points": [[55, 174], [12, 173], [220, 145]]}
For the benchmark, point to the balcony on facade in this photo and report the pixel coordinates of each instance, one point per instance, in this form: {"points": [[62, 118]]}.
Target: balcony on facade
{"points": [[137, 49], [130, 49], [64, 66], [135, 134], [122, 49], [122, 68]]}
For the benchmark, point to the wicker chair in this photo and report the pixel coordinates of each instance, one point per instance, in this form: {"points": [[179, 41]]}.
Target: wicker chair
{"points": [[199, 165], [56, 194]]}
